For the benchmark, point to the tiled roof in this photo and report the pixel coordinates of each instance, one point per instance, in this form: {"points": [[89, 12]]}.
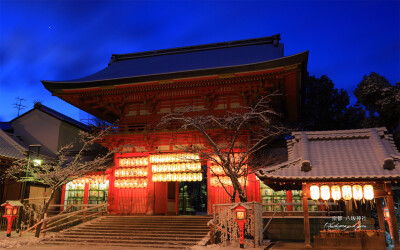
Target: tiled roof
{"points": [[189, 58], [334, 155], [10, 148]]}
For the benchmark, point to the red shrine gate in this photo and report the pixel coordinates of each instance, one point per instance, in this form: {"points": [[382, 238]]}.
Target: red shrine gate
{"points": [[139, 88]]}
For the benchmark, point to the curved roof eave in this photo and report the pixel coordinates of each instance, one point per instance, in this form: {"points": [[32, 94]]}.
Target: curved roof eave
{"points": [[280, 62]]}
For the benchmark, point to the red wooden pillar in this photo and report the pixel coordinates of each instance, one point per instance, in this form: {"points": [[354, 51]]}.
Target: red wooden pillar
{"points": [[86, 194], [62, 197], [289, 199], [307, 238], [392, 213]]}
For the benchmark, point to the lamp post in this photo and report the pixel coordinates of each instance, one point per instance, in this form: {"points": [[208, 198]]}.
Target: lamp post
{"points": [[386, 214], [11, 212], [36, 162], [240, 219]]}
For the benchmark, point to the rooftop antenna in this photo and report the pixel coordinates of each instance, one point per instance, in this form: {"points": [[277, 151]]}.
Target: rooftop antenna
{"points": [[18, 104]]}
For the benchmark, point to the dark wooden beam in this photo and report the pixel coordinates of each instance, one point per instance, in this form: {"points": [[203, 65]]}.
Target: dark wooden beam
{"points": [[307, 236]]}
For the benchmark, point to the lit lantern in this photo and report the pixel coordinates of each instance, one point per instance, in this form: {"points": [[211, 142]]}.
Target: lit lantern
{"points": [[174, 177], [199, 177], [184, 177], [179, 176], [346, 192], [368, 192], [169, 177], [357, 192], [335, 192], [190, 177], [145, 184], [195, 177], [325, 194], [173, 168], [164, 177]]}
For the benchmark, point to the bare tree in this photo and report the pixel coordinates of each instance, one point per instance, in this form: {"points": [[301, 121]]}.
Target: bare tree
{"points": [[65, 167], [231, 139]]}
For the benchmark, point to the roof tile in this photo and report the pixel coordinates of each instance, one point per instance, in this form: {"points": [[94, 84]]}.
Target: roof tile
{"points": [[342, 154]]}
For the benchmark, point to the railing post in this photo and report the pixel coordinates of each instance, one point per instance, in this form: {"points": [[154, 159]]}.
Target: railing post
{"points": [[44, 224], [212, 233]]}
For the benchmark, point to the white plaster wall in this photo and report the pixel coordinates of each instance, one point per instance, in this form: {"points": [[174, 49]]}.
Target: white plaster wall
{"points": [[38, 127]]}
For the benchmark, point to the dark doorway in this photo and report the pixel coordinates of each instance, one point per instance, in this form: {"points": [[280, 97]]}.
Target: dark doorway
{"points": [[193, 196]]}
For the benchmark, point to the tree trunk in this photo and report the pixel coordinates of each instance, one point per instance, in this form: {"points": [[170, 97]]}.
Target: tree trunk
{"points": [[238, 189], [45, 208]]}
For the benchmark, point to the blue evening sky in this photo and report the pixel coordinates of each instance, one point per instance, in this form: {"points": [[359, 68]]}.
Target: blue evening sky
{"points": [[63, 40]]}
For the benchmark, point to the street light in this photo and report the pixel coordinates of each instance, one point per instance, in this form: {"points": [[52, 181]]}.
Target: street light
{"points": [[36, 163], [386, 214]]}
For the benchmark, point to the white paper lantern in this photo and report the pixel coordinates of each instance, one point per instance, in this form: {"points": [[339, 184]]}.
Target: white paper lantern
{"points": [[357, 192], [325, 194], [335, 190], [368, 192]]}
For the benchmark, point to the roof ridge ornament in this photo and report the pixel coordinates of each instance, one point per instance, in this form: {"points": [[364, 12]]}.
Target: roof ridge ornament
{"points": [[388, 161], [305, 163]]}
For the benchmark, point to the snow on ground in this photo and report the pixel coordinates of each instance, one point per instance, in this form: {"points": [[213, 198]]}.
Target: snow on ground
{"points": [[16, 241]]}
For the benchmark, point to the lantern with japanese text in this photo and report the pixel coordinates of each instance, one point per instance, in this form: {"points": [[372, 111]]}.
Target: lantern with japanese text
{"points": [[357, 192], [335, 192], [346, 192]]}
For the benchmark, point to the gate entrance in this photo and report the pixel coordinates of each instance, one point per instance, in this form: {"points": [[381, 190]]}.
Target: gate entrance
{"points": [[193, 198]]}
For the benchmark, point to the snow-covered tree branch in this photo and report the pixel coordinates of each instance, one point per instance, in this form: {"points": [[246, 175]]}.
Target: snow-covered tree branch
{"points": [[67, 166], [231, 139]]}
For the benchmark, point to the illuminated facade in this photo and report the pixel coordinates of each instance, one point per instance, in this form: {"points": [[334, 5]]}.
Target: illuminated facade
{"points": [[153, 176]]}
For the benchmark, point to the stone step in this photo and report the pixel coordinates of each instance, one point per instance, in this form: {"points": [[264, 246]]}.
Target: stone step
{"points": [[133, 237], [136, 242], [127, 245], [103, 222], [135, 231], [130, 236], [144, 226], [154, 232]]}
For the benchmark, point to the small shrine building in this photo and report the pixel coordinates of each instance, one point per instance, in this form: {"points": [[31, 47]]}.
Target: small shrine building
{"points": [[137, 89], [354, 167]]}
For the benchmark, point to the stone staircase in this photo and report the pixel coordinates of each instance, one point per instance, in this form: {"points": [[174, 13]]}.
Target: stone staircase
{"points": [[177, 232]]}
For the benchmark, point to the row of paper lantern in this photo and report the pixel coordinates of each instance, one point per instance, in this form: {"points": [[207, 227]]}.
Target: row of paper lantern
{"points": [[97, 179], [217, 170], [173, 157], [130, 172], [177, 167], [133, 161], [177, 177], [225, 180], [131, 183], [346, 192]]}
